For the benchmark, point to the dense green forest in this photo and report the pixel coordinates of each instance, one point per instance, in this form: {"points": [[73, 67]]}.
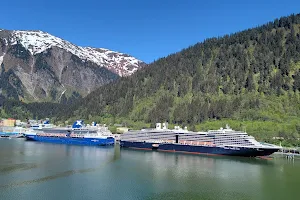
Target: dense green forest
{"points": [[250, 79]]}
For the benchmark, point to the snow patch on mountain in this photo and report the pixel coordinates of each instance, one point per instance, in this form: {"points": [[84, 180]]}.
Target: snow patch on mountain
{"points": [[37, 42]]}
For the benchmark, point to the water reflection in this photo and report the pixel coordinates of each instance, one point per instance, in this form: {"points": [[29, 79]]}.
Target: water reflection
{"points": [[209, 172], [33, 171], [17, 167], [47, 162]]}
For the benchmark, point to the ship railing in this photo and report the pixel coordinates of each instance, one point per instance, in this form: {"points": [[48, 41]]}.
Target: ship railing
{"points": [[169, 141], [76, 135], [196, 143], [148, 138], [51, 135], [182, 142]]}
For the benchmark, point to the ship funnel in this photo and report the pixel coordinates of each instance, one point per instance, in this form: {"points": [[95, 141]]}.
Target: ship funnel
{"points": [[165, 126], [78, 124], [158, 126]]}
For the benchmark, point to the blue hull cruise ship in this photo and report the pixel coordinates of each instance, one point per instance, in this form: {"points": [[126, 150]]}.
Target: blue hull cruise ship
{"points": [[214, 142], [78, 135], [16, 132]]}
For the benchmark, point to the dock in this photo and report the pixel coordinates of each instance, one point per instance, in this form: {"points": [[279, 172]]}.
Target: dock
{"points": [[288, 153]]}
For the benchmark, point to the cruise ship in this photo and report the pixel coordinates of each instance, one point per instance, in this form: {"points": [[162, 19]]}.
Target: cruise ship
{"points": [[38, 126], [79, 134], [16, 132], [224, 141]]}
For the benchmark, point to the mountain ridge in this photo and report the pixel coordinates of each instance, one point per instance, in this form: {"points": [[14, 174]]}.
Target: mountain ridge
{"points": [[34, 56], [39, 41]]}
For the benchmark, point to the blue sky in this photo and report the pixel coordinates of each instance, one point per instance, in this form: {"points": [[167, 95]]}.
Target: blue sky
{"points": [[146, 29]]}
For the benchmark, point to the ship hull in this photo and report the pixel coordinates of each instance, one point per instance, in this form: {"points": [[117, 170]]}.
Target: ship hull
{"points": [[75, 141], [207, 150]]}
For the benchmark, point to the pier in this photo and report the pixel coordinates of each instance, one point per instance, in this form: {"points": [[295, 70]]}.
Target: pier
{"points": [[288, 153]]}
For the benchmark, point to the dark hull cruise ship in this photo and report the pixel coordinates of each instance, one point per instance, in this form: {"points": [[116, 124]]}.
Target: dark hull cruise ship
{"points": [[224, 141]]}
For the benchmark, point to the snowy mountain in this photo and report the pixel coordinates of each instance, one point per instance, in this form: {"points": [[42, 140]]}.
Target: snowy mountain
{"points": [[38, 66], [37, 42]]}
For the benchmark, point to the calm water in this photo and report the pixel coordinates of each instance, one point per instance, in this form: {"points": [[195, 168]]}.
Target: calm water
{"points": [[34, 171]]}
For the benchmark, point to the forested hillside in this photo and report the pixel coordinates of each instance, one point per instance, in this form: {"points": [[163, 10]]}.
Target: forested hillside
{"points": [[250, 76]]}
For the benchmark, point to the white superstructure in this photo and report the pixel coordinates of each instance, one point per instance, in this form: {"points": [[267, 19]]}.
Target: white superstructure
{"points": [[221, 137]]}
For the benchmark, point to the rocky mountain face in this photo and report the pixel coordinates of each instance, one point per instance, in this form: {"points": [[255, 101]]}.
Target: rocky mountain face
{"points": [[37, 66]]}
